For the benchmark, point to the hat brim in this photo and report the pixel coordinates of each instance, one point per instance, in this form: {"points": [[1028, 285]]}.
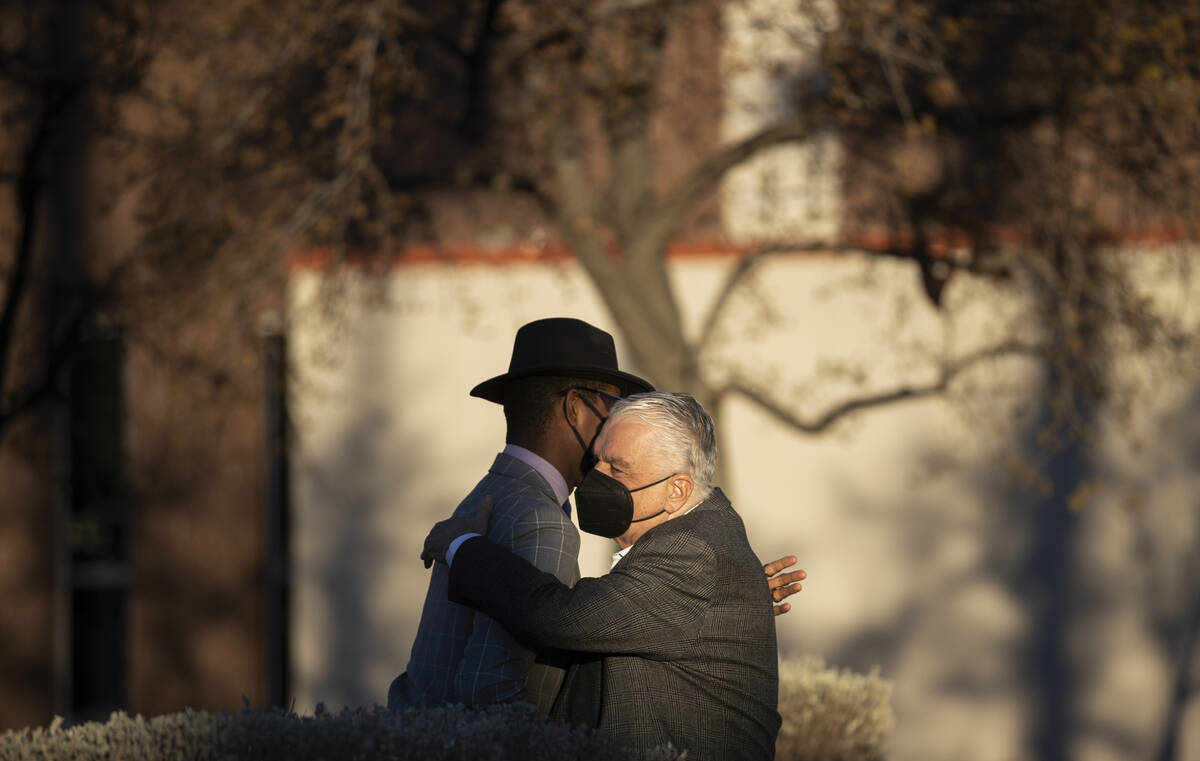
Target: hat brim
{"points": [[497, 389]]}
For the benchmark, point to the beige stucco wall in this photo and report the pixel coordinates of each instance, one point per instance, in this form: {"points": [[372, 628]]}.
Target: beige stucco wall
{"points": [[905, 518]]}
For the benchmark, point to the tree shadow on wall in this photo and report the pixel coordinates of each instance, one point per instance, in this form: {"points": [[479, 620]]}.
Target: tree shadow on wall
{"points": [[349, 575], [1009, 625], [1173, 586], [986, 630]]}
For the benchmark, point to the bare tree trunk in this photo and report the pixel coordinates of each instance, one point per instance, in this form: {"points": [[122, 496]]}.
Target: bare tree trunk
{"points": [[29, 197], [29, 193], [56, 94]]}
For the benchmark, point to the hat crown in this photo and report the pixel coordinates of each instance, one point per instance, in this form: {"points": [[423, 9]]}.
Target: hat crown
{"points": [[562, 342], [564, 347]]}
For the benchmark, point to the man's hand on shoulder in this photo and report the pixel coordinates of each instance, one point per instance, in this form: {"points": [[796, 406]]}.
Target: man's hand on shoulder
{"points": [[783, 585], [445, 532]]}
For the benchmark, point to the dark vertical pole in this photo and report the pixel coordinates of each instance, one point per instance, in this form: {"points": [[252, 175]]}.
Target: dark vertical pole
{"points": [[98, 531], [66, 178], [276, 512], [63, 609]]}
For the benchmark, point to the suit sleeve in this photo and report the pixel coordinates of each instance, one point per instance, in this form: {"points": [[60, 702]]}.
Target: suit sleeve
{"points": [[648, 606], [495, 664]]}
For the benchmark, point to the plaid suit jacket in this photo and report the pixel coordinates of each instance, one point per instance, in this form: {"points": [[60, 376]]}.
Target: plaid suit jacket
{"points": [[463, 656], [684, 621]]}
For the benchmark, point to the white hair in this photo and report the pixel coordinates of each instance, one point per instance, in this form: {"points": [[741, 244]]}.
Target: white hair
{"points": [[685, 438]]}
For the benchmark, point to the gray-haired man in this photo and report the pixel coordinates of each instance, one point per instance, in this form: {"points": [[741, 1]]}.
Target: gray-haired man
{"points": [[561, 379], [683, 622]]}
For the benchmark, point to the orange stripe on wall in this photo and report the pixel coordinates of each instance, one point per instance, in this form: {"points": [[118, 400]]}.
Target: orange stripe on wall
{"points": [[474, 253], [321, 258]]}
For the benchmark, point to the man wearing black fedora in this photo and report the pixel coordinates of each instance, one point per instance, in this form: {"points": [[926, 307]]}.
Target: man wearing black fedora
{"points": [[562, 378]]}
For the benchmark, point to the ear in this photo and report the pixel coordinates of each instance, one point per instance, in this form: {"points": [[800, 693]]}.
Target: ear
{"points": [[570, 406], [682, 487]]}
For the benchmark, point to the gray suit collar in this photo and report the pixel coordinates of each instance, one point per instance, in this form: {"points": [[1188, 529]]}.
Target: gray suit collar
{"points": [[507, 466], [716, 500]]}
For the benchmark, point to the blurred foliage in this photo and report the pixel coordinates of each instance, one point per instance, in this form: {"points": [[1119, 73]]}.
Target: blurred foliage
{"points": [[1101, 97], [452, 733], [56, 93], [1011, 141], [830, 715], [1035, 143]]}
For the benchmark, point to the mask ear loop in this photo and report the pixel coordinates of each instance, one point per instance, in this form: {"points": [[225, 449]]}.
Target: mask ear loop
{"points": [[647, 486], [603, 418], [656, 483], [588, 457]]}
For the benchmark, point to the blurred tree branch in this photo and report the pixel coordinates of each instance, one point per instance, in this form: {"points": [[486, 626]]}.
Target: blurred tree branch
{"points": [[823, 421], [564, 103], [42, 88]]}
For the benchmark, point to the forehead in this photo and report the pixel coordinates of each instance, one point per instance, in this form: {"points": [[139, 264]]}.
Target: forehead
{"points": [[628, 440]]}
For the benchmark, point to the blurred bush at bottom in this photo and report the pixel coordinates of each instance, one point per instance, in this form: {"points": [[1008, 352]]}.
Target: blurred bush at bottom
{"points": [[827, 715], [832, 715]]}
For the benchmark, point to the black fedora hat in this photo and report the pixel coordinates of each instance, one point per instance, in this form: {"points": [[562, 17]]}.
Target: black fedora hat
{"points": [[565, 347]]}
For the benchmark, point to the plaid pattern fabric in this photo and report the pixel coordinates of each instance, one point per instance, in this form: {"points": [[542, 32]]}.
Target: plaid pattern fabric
{"points": [[684, 621], [460, 655]]}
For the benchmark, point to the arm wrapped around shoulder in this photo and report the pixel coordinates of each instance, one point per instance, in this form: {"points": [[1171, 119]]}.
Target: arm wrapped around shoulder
{"points": [[647, 606]]}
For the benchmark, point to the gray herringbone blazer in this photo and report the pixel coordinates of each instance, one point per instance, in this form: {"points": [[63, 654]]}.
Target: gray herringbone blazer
{"points": [[461, 655], [684, 621]]}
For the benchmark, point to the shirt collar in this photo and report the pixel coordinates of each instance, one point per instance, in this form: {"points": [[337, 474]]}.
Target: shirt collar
{"points": [[544, 469], [618, 555]]}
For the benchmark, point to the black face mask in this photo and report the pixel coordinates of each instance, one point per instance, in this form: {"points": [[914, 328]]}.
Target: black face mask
{"points": [[605, 505]]}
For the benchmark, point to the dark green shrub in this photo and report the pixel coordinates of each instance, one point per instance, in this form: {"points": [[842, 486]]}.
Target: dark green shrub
{"points": [[454, 733], [827, 715]]}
